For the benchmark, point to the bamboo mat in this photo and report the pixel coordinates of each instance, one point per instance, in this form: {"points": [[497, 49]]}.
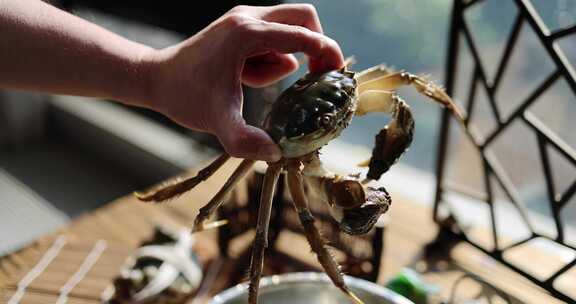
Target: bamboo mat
{"points": [[83, 259], [120, 226]]}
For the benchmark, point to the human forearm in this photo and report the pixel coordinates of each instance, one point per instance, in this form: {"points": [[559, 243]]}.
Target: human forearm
{"points": [[197, 83], [45, 49]]}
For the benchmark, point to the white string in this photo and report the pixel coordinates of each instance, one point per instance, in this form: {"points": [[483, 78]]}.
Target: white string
{"points": [[46, 259], [87, 264]]}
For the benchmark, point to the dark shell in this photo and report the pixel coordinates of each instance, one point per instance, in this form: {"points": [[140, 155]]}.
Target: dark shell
{"points": [[312, 111]]}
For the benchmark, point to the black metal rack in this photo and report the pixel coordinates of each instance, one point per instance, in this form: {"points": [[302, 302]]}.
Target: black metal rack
{"points": [[527, 16]]}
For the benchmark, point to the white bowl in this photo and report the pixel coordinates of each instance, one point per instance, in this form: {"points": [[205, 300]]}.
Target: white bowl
{"points": [[309, 287]]}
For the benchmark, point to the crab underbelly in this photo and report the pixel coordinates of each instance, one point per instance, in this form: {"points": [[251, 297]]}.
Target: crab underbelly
{"points": [[293, 149]]}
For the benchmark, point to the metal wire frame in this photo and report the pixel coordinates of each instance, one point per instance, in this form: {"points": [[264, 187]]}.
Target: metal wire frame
{"points": [[526, 16]]}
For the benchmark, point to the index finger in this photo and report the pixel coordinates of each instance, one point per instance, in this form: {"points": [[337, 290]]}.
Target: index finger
{"points": [[324, 53], [294, 14]]}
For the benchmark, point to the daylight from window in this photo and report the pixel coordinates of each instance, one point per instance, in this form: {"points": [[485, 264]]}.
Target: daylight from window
{"points": [[412, 35]]}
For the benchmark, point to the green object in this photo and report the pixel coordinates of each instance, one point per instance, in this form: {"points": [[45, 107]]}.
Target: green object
{"points": [[409, 284]]}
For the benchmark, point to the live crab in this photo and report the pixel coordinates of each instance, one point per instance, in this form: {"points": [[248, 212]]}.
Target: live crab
{"points": [[305, 117]]}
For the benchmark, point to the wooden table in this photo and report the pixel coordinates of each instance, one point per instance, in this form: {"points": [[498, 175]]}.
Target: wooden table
{"points": [[121, 225]]}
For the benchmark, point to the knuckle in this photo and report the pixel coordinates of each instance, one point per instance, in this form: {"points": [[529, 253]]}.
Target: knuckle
{"points": [[252, 33], [330, 43], [239, 9], [235, 20], [245, 26], [308, 9]]}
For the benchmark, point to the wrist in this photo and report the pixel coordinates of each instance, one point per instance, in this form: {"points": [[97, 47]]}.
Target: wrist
{"points": [[140, 86]]}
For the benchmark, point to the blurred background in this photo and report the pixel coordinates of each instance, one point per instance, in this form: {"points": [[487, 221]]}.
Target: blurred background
{"points": [[63, 156]]}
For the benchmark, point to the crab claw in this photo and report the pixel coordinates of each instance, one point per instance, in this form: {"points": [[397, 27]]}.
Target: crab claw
{"points": [[347, 194], [362, 219], [392, 141], [355, 207]]}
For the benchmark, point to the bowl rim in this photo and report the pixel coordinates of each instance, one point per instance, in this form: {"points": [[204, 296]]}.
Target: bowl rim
{"points": [[293, 277]]}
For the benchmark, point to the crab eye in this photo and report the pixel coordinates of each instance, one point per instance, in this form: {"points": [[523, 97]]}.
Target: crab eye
{"points": [[326, 120]]}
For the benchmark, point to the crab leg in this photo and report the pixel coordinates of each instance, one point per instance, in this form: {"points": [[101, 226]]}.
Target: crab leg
{"points": [[424, 86], [376, 101], [315, 240], [261, 238], [173, 190], [209, 209], [373, 72]]}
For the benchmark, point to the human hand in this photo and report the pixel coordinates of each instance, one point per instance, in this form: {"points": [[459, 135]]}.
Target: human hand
{"points": [[198, 83]]}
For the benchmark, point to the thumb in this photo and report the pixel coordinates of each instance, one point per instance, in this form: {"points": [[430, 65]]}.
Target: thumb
{"points": [[245, 141]]}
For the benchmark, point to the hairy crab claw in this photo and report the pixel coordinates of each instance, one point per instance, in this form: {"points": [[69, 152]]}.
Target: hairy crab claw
{"points": [[362, 219], [304, 118], [392, 141], [355, 207]]}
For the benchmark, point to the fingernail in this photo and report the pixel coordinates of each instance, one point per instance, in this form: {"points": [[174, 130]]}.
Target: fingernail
{"points": [[270, 153]]}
